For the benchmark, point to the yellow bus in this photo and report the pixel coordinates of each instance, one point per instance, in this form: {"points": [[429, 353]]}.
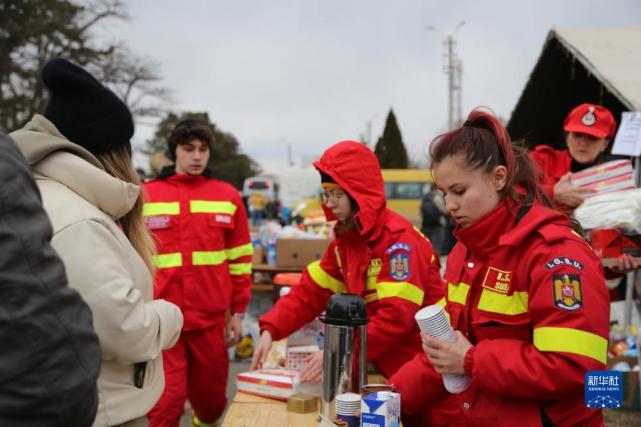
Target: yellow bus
{"points": [[404, 189]]}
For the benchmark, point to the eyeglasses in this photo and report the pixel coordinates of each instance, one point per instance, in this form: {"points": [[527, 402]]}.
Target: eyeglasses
{"points": [[334, 197]]}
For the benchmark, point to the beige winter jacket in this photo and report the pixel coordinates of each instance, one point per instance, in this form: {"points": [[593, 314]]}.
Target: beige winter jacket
{"points": [[83, 203]]}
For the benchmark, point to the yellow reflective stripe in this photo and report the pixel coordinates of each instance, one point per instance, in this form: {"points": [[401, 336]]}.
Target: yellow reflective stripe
{"points": [[457, 293], [323, 279], [404, 290], [208, 206], [370, 282], [238, 251], [442, 302], [240, 268], [495, 302], [568, 340], [168, 260], [208, 257], [161, 208]]}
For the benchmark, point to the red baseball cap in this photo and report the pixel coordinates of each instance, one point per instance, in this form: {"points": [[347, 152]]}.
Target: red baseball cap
{"points": [[590, 119]]}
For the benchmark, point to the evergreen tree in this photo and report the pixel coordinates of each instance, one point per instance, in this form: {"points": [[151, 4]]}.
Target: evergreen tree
{"points": [[225, 161], [390, 150]]}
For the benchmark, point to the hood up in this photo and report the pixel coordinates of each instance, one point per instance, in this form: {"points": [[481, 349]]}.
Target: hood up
{"points": [[356, 169]]}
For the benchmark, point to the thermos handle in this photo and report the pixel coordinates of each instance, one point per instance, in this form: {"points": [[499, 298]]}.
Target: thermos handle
{"points": [[362, 371]]}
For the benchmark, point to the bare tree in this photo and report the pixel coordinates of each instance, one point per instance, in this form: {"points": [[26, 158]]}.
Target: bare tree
{"points": [[34, 31]]}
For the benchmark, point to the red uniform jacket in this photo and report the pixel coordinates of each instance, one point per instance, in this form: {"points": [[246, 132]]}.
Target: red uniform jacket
{"points": [[552, 165], [204, 251], [385, 260], [532, 299]]}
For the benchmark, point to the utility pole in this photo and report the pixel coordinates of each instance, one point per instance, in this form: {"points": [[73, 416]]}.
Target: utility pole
{"points": [[453, 67]]}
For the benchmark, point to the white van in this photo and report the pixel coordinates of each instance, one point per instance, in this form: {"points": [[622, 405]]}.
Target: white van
{"points": [[260, 183]]}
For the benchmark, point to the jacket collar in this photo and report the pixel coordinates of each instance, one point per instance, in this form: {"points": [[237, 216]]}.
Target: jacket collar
{"points": [[500, 227]]}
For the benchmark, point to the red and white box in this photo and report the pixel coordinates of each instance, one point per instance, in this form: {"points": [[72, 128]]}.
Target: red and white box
{"points": [[275, 383], [615, 183], [601, 171]]}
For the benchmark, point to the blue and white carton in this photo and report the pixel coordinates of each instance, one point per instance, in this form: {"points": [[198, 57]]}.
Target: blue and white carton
{"points": [[381, 409]]}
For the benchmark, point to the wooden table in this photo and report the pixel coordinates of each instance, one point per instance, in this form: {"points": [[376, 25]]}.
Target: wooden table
{"points": [[247, 410]]}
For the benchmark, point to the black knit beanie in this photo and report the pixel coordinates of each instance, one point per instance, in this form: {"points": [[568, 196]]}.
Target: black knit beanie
{"points": [[85, 111]]}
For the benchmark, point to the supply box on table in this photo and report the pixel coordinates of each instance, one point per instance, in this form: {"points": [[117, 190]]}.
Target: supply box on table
{"points": [[299, 252]]}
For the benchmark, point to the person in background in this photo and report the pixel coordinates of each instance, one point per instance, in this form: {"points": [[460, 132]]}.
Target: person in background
{"points": [[589, 129], [204, 266], [257, 203], [80, 155], [50, 358], [526, 294], [433, 217], [376, 254]]}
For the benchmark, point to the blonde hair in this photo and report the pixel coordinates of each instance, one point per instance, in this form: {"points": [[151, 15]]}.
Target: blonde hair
{"points": [[117, 163]]}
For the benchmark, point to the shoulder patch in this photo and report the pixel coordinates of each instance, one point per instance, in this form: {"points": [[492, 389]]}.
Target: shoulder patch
{"points": [[567, 291], [497, 280], [399, 266], [563, 261]]}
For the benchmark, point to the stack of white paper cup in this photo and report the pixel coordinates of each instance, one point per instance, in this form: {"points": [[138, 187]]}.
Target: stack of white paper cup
{"points": [[433, 321], [348, 405]]}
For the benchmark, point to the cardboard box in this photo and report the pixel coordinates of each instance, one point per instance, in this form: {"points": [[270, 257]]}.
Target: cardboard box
{"points": [[259, 255], [299, 252], [381, 409]]}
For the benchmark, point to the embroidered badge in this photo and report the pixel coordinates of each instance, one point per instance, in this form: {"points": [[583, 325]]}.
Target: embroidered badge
{"points": [[589, 118], [567, 291], [400, 266], [565, 261], [398, 246], [158, 222], [374, 267], [497, 280], [226, 219]]}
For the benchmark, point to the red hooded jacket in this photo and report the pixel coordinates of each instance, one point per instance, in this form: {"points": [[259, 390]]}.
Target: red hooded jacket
{"points": [[385, 259], [204, 251], [552, 165], [531, 297]]}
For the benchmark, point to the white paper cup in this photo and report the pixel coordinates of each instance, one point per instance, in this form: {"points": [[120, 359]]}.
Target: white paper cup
{"points": [[348, 403], [433, 321]]}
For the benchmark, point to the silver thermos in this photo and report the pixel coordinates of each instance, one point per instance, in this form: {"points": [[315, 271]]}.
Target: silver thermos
{"points": [[345, 313]]}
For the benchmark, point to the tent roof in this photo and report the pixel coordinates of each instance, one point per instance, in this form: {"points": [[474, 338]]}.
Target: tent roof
{"points": [[576, 65], [613, 55]]}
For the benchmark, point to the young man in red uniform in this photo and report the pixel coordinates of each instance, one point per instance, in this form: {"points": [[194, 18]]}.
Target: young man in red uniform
{"points": [[526, 294], [203, 266], [376, 254]]}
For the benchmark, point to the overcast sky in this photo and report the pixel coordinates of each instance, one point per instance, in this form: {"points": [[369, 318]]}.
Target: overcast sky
{"points": [[312, 72]]}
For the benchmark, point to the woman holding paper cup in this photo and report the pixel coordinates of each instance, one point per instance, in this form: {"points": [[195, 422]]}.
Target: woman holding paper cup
{"points": [[526, 294]]}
